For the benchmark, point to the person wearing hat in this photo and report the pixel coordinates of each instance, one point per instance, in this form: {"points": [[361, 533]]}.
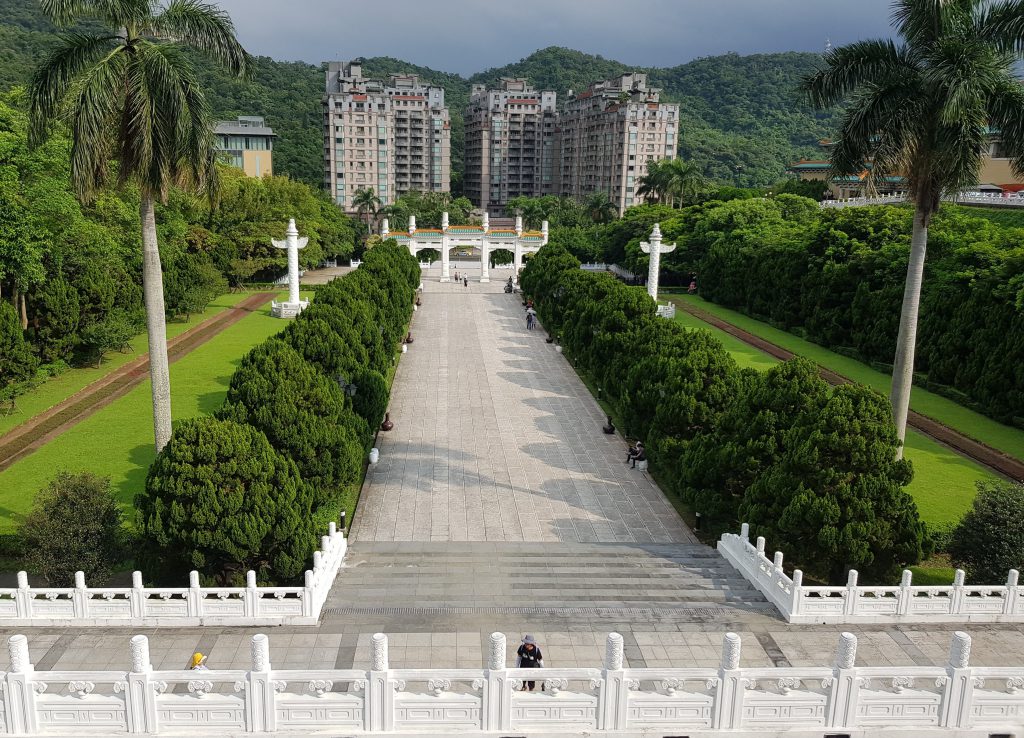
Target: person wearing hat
{"points": [[198, 662], [529, 657]]}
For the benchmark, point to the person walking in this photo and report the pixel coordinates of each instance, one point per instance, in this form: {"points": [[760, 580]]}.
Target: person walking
{"points": [[529, 657], [531, 318], [465, 281]]}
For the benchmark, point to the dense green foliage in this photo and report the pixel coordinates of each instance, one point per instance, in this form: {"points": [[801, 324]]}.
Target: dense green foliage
{"points": [[75, 525], [75, 270], [835, 276], [220, 500], [737, 111], [298, 418], [304, 415], [989, 541], [804, 463]]}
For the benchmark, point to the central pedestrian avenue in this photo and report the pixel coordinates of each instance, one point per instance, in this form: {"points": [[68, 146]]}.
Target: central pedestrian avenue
{"points": [[499, 505]]}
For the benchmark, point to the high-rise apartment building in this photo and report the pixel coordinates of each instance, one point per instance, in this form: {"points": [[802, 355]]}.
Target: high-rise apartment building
{"points": [[510, 144], [393, 136], [246, 143], [609, 134]]}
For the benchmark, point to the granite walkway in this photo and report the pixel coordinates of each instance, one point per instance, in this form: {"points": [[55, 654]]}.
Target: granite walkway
{"points": [[498, 504]]}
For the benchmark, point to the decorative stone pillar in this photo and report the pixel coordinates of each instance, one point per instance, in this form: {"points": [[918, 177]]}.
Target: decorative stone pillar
{"points": [[195, 595], [485, 255], [292, 243], [517, 260], [655, 248], [842, 705], [959, 698], [729, 699], [140, 698], [412, 234], [486, 222], [20, 708], [445, 246], [262, 693], [1010, 603], [385, 229], [614, 687], [380, 693], [851, 592], [498, 697], [544, 233]]}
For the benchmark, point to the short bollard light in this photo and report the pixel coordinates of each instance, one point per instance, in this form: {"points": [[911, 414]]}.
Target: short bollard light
{"points": [[374, 455]]}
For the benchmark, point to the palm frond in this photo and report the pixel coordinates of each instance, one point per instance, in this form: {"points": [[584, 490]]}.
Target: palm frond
{"points": [[94, 108], [1002, 24], [206, 28], [847, 67], [877, 113], [53, 78], [1005, 106], [923, 23], [114, 13]]}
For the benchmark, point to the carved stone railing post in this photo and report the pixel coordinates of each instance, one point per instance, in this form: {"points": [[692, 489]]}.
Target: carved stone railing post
{"points": [[498, 694], [79, 598], [729, 698], [614, 691], [851, 592], [251, 598], [21, 697], [906, 594], [261, 689], [195, 595], [959, 687], [140, 696], [956, 597], [138, 596], [311, 603], [797, 603], [842, 706], [1010, 606], [745, 532], [380, 694], [22, 596]]}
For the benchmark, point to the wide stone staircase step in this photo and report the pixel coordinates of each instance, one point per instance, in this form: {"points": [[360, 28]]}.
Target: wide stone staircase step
{"points": [[541, 578]]}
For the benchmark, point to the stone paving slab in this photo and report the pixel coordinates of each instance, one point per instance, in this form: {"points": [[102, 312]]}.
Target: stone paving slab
{"points": [[497, 439]]}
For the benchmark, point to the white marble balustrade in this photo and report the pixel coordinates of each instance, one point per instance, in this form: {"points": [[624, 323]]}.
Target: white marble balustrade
{"points": [[83, 606], [610, 699], [852, 603]]}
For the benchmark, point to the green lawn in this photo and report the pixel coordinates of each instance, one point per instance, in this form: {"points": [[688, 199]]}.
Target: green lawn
{"points": [[943, 484], [1005, 438], [62, 387], [118, 440]]}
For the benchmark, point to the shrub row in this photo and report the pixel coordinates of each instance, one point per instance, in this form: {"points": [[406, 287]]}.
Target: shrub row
{"points": [[804, 463], [253, 486]]}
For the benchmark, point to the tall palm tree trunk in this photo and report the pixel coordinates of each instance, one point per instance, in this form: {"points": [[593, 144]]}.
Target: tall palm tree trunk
{"points": [[156, 324], [903, 366]]}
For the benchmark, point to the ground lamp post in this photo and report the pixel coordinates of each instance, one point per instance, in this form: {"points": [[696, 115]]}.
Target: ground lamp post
{"points": [[655, 249]]}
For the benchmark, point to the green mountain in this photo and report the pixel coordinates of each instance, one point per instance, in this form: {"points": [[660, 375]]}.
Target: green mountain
{"points": [[743, 120]]}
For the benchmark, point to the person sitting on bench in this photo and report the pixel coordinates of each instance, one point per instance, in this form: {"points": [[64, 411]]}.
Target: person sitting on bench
{"points": [[636, 453]]}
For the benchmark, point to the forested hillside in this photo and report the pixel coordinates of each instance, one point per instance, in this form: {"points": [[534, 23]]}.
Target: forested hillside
{"points": [[743, 120]]}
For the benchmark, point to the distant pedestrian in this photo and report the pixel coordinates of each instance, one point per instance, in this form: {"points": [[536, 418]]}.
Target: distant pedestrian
{"points": [[465, 281], [693, 285], [636, 453], [457, 276], [198, 662], [529, 657], [531, 318]]}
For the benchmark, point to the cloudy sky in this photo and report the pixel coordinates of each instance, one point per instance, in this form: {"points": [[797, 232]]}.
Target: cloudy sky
{"points": [[467, 36]]}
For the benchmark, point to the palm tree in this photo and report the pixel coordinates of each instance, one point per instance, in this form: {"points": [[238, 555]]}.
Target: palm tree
{"points": [[600, 208], [924, 106], [367, 203], [129, 93], [671, 181]]}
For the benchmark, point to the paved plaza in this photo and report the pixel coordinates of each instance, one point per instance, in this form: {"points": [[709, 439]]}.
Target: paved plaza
{"points": [[499, 505]]}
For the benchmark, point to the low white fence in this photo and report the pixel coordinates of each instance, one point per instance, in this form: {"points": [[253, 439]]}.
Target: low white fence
{"points": [[611, 700], [594, 267], [668, 310], [138, 605], [993, 199], [905, 603], [622, 273]]}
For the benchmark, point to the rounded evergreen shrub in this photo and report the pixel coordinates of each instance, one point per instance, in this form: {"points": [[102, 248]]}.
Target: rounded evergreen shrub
{"points": [[989, 541], [219, 499]]}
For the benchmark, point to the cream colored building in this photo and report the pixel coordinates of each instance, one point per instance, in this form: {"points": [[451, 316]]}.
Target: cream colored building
{"points": [[609, 134], [246, 143], [393, 136], [995, 175], [510, 144]]}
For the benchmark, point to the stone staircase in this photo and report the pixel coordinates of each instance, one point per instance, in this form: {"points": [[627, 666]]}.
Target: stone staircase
{"points": [[541, 579]]}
